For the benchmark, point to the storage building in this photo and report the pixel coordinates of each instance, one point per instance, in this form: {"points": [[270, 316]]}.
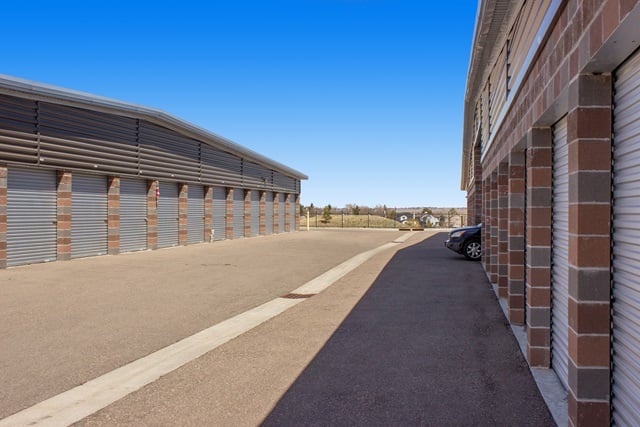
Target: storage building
{"points": [[82, 175], [551, 166]]}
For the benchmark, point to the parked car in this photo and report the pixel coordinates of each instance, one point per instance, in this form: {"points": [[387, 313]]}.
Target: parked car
{"points": [[466, 241]]}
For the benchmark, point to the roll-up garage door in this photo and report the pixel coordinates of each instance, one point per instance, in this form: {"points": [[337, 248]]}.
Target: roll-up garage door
{"points": [[625, 399], [292, 213], [219, 213], [281, 213], [268, 213], [133, 214], [168, 215], [195, 214], [89, 213], [255, 213], [31, 216], [238, 213], [560, 254]]}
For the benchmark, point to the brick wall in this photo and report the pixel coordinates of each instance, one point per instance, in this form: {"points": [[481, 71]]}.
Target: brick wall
{"points": [[113, 219], [152, 215], [64, 216]]}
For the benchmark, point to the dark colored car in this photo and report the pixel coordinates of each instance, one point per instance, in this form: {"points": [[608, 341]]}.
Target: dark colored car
{"points": [[466, 241]]}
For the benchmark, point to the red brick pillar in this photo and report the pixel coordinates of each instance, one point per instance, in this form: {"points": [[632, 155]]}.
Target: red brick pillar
{"points": [[183, 201], [287, 213], [263, 210], [113, 219], [503, 229], [486, 222], [64, 216], [297, 221], [3, 216], [152, 214], [276, 213], [515, 295], [247, 213], [208, 213], [229, 213], [493, 229], [589, 139], [477, 200], [538, 270]]}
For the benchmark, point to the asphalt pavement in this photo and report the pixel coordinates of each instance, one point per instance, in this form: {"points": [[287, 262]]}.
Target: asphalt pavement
{"points": [[413, 336]]}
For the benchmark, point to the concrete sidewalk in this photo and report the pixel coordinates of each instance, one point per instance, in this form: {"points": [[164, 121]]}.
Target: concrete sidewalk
{"points": [[414, 336]]}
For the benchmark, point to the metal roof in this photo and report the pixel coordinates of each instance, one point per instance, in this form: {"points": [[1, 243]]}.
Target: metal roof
{"points": [[38, 91]]}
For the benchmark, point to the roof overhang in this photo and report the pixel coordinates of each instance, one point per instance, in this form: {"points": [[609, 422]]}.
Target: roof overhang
{"points": [[38, 91]]}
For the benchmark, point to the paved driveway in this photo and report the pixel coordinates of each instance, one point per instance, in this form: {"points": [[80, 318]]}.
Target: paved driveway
{"points": [[413, 336]]}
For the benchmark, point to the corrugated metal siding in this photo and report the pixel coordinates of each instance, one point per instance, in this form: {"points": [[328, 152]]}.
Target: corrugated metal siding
{"points": [[133, 214], [560, 254], [255, 175], [238, 213], [284, 183], [89, 211], [626, 246], [31, 216], [281, 213], [90, 140], [18, 139], [268, 214], [255, 213], [168, 204], [195, 214], [219, 167], [160, 147], [219, 213]]}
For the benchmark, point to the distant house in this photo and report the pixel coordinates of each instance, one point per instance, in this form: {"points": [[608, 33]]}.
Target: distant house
{"points": [[429, 220]]}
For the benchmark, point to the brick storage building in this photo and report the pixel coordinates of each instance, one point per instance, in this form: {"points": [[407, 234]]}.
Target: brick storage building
{"points": [[551, 166], [82, 175]]}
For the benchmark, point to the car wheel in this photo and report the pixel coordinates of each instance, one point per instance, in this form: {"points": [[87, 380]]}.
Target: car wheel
{"points": [[472, 250]]}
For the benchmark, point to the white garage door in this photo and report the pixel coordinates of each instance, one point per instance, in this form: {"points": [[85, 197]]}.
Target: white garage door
{"points": [[195, 214], [31, 216], [89, 211], [133, 214], [292, 213], [219, 213], [560, 254], [238, 213], [626, 246], [268, 212], [255, 213], [281, 213]]}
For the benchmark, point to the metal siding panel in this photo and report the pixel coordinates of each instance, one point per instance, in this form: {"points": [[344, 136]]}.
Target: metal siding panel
{"points": [[625, 400], [31, 216], [195, 214], [560, 254], [281, 212], [168, 203], [133, 214], [18, 139], [89, 211], [219, 213], [268, 214], [238, 213], [255, 213], [219, 167]]}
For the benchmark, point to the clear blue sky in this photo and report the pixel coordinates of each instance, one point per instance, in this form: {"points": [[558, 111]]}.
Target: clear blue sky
{"points": [[363, 96]]}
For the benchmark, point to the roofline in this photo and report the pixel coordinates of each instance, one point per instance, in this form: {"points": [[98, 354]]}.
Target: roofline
{"points": [[10, 85]]}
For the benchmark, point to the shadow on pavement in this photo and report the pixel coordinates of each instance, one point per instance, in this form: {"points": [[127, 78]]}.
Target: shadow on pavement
{"points": [[427, 345]]}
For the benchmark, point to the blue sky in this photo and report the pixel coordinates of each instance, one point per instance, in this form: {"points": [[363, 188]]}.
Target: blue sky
{"points": [[363, 96]]}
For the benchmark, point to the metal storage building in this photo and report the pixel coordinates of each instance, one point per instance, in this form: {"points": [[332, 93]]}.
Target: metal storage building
{"points": [[83, 175], [551, 166]]}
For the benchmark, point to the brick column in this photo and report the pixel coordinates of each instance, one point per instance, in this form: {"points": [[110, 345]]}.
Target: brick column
{"points": [[276, 213], [493, 229], [113, 219], [589, 139], [486, 222], [3, 216], [287, 212], [247, 213], [263, 210], [183, 201], [477, 202], [229, 213], [538, 270], [152, 215], [515, 294], [64, 216], [208, 213], [503, 229]]}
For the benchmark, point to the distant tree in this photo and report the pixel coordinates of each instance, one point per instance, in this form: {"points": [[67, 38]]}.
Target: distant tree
{"points": [[427, 211], [453, 212], [326, 214], [355, 210]]}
